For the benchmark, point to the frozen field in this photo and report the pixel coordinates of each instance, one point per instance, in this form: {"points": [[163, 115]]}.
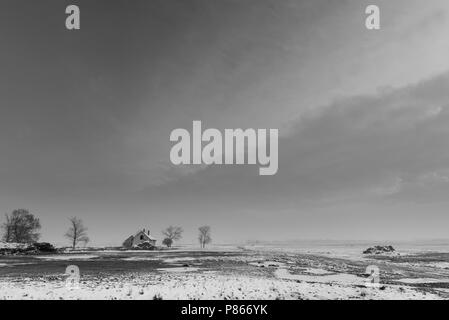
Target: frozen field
{"points": [[226, 273]]}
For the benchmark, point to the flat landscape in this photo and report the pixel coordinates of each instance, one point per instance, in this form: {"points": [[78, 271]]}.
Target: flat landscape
{"points": [[252, 272]]}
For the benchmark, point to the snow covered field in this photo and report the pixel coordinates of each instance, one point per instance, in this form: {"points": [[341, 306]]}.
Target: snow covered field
{"points": [[227, 273]]}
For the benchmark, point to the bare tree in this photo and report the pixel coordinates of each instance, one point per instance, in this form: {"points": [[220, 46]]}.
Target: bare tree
{"points": [[7, 236], [172, 233], [21, 226], [204, 236], [168, 242], [77, 232]]}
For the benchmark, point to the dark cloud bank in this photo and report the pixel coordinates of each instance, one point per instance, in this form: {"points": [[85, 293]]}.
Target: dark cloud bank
{"points": [[392, 145]]}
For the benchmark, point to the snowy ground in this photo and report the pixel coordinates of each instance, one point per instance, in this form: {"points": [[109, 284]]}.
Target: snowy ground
{"points": [[222, 274]]}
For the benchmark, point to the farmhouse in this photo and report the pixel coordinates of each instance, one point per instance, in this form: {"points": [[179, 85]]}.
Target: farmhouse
{"points": [[140, 238]]}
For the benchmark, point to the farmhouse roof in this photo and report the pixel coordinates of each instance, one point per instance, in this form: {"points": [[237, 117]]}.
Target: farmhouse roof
{"points": [[142, 232]]}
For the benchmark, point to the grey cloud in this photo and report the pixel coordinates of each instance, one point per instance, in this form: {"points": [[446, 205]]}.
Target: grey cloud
{"points": [[353, 148]]}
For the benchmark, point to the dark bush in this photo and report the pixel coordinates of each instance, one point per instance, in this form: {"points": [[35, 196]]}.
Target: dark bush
{"points": [[379, 250], [44, 247]]}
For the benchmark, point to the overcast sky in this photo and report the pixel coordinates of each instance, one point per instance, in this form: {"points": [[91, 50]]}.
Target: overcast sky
{"points": [[85, 117]]}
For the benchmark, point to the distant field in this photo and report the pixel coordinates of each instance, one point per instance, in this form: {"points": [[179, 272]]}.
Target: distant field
{"points": [[103, 262], [224, 274]]}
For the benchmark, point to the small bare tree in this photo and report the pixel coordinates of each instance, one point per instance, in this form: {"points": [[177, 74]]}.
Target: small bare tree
{"points": [[168, 242], [77, 232], [172, 233], [7, 226], [204, 236]]}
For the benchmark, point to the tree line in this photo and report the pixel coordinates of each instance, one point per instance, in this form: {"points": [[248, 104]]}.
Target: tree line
{"points": [[173, 234], [21, 226]]}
